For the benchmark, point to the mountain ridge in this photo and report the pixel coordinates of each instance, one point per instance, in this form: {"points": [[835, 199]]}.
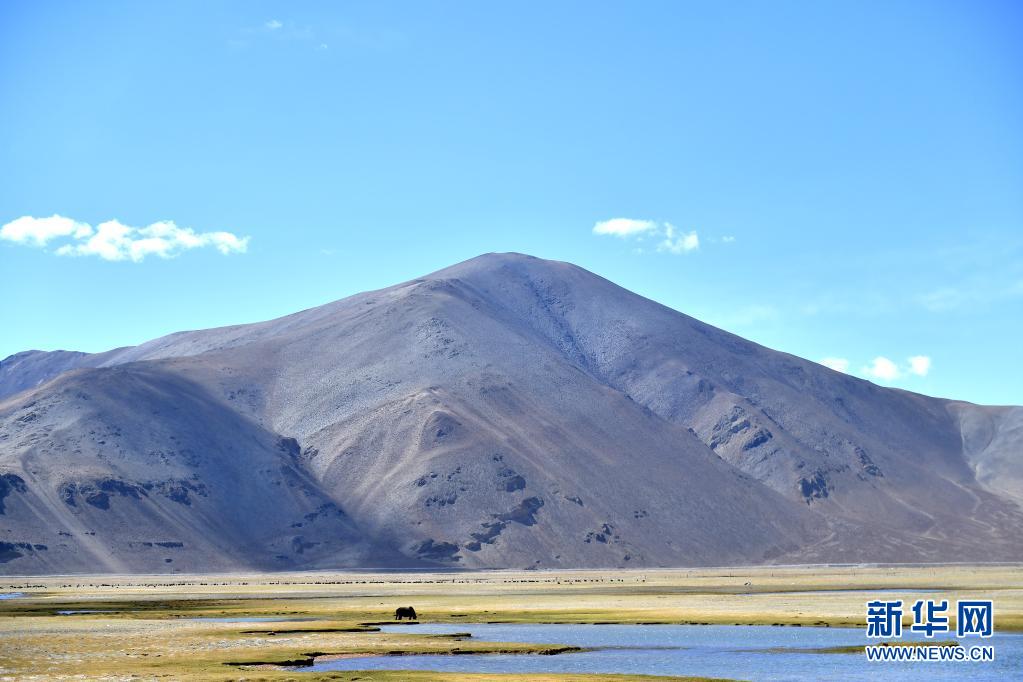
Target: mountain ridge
{"points": [[457, 418]]}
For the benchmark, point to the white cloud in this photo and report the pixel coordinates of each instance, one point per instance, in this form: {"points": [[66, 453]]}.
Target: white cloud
{"points": [[115, 241], [674, 242], [837, 364], [39, 231], [671, 239], [883, 368], [920, 365], [728, 239], [624, 227], [273, 24]]}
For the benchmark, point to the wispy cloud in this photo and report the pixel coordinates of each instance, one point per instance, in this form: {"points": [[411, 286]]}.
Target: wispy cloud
{"points": [[115, 241], [678, 242], [624, 227], [670, 238], [276, 31], [742, 319], [837, 364], [975, 293], [945, 298], [317, 37]]}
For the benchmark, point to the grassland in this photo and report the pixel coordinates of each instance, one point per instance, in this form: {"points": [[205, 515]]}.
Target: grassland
{"points": [[146, 625]]}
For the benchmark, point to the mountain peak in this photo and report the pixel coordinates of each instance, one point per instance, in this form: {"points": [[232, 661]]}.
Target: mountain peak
{"points": [[506, 411], [496, 261]]}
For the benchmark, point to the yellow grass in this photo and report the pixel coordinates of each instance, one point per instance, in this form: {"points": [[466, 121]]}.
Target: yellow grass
{"points": [[146, 628]]}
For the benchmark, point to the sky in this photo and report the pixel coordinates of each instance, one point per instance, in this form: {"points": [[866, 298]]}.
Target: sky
{"points": [[838, 180]]}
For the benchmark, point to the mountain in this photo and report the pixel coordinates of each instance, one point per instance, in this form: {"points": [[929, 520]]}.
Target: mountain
{"points": [[504, 412]]}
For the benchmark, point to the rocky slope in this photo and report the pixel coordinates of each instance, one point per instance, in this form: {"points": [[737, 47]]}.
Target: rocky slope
{"points": [[506, 411]]}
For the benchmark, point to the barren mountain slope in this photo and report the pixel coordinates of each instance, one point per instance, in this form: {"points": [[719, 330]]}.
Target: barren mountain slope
{"points": [[134, 469], [506, 411]]}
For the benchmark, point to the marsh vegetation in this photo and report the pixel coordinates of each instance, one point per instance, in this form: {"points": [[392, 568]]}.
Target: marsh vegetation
{"points": [[262, 625]]}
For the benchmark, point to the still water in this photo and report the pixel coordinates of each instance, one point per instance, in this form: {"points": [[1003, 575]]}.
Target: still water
{"points": [[731, 651]]}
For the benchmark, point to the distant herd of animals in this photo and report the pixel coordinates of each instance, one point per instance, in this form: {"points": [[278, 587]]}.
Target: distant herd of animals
{"points": [[403, 612]]}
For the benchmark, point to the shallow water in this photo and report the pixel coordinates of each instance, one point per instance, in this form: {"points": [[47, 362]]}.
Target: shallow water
{"points": [[731, 651], [12, 595]]}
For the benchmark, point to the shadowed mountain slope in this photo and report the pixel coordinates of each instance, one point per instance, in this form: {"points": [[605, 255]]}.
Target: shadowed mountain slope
{"points": [[506, 411]]}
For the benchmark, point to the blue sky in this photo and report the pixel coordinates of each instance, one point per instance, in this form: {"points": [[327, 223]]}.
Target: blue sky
{"points": [[839, 179]]}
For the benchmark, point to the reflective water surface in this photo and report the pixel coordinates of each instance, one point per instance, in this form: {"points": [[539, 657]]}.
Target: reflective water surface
{"points": [[730, 651]]}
